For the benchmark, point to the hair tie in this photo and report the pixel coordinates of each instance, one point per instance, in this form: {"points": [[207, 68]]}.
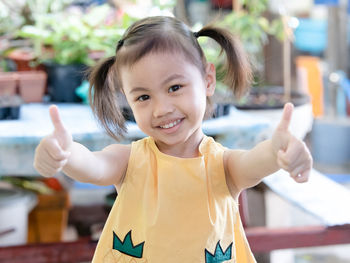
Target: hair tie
{"points": [[195, 34], [120, 44]]}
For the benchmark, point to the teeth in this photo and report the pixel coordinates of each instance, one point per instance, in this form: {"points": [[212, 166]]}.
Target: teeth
{"points": [[169, 125]]}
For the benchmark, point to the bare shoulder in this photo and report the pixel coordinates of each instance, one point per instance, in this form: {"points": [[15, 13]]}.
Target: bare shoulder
{"points": [[120, 153], [118, 149], [116, 158]]}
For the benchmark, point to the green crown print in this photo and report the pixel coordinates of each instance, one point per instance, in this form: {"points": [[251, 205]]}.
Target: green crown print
{"points": [[126, 246], [219, 255]]}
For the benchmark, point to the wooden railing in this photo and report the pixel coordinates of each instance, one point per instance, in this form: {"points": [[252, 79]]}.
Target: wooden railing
{"points": [[261, 239]]}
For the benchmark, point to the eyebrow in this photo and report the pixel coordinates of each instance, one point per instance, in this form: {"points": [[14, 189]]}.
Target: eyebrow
{"points": [[172, 77], [137, 89], [167, 80]]}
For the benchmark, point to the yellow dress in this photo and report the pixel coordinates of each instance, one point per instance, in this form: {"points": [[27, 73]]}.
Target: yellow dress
{"points": [[172, 209]]}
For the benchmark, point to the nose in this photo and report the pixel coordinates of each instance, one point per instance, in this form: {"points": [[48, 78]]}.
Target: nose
{"points": [[162, 107]]}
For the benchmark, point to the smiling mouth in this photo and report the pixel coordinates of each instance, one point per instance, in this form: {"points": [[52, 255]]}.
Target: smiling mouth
{"points": [[170, 125]]}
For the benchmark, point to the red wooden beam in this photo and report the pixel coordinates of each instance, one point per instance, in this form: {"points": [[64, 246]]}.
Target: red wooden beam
{"points": [[262, 239], [63, 252]]}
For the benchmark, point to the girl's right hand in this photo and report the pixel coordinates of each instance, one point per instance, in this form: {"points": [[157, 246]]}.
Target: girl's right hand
{"points": [[53, 152]]}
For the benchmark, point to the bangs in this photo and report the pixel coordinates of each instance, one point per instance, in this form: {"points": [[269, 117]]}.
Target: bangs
{"points": [[161, 43]]}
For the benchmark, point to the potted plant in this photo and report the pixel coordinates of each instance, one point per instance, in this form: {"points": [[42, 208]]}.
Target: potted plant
{"points": [[64, 42], [9, 102], [7, 84], [32, 85], [16, 54], [250, 23], [16, 14]]}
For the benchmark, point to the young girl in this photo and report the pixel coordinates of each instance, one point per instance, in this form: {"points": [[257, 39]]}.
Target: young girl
{"points": [[177, 188]]}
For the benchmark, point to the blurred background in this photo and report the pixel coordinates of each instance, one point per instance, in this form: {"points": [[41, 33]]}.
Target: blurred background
{"points": [[299, 51]]}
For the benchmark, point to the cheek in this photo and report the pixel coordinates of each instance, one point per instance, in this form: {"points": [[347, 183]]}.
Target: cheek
{"points": [[199, 99], [140, 116]]}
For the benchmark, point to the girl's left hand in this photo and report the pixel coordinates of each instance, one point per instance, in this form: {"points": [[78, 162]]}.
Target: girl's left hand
{"points": [[291, 153]]}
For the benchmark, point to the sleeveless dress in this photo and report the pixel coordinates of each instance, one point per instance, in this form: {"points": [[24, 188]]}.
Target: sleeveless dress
{"points": [[172, 209]]}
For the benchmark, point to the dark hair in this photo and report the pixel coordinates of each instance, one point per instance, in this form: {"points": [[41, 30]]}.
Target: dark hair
{"points": [[160, 34]]}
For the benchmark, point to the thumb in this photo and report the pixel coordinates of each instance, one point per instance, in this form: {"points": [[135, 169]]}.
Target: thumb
{"points": [[286, 117], [62, 135], [56, 119]]}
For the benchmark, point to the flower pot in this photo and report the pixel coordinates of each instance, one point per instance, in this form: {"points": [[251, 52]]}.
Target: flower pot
{"points": [[22, 59], [63, 81], [10, 107], [8, 83], [32, 85]]}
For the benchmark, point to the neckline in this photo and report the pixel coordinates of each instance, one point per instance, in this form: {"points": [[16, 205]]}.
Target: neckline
{"points": [[153, 145]]}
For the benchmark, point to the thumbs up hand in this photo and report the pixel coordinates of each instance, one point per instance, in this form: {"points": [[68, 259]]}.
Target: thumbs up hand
{"points": [[53, 152], [63, 137], [291, 153]]}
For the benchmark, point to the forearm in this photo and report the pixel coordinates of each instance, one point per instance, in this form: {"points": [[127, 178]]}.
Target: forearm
{"points": [[259, 162], [283, 151], [83, 165]]}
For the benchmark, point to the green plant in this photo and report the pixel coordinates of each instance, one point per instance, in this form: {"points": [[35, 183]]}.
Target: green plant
{"points": [[69, 37], [253, 29], [16, 13]]}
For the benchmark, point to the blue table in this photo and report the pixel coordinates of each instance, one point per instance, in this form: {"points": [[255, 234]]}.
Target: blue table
{"points": [[18, 138]]}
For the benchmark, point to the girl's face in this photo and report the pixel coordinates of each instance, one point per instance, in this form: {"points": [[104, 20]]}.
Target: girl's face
{"points": [[167, 95]]}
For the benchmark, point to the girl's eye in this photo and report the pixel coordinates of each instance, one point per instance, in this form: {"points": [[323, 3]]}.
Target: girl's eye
{"points": [[174, 88], [143, 98]]}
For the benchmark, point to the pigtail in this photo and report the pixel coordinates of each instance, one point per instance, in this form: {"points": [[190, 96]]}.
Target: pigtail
{"points": [[237, 70], [103, 98]]}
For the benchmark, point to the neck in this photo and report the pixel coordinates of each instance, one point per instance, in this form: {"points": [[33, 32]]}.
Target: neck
{"points": [[186, 149]]}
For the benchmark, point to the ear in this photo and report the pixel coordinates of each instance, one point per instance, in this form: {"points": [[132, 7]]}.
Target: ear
{"points": [[210, 79]]}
